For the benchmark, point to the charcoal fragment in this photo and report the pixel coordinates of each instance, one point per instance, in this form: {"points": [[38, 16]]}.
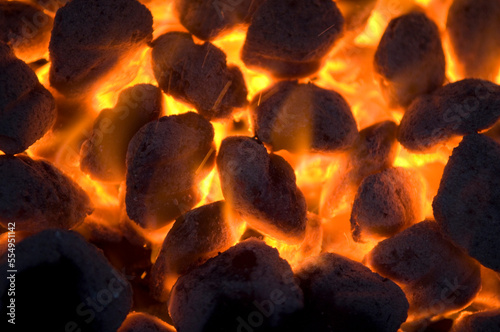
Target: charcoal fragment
{"points": [[343, 295], [36, 195], [198, 75], [459, 108], [27, 109], [230, 290], [165, 161], [296, 117], [483, 321], [103, 154], [262, 188], [467, 203], [410, 58], [435, 275], [143, 322], [293, 45]]}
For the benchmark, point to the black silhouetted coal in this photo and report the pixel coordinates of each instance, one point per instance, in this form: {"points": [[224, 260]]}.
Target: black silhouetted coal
{"points": [[36, 195], [298, 117], [165, 161], [59, 272], [198, 75], [103, 154], [27, 109], [386, 203], [435, 275], [26, 28], [195, 237], [262, 188], [410, 58], [483, 321], [356, 13], [90, 37], [467, 203], [247, 286], [289, 38], [474, 30], [207, 19], [343, 295], [459, 108], [142, 322]]}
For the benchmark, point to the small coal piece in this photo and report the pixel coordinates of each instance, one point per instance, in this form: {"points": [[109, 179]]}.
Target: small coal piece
{"points": [[90, 37], [467, 203], [289, 38], [474, 30], [208, 19], [143, 322], [343, 295], [27, 109], [166, 159], [247, 286], [262, 188], [198, 75], [103, 154], [36, 195], [459, 108], [435, 275], [386, 203], [484, 321], [298, 117], [59, 272], [410, 58], [195, 237]]}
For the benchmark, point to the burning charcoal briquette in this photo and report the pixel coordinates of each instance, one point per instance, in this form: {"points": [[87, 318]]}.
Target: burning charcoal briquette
{"points": [[103, 154], [459, 108], [142, 322], [198, 75], [27, 109], [467, 203], [64, 283], [247, 286], [484, 321], [386, 203], [297, 117], [36, 195], [90, 37], [435, 275], [410, 58], [343, 295], [26, 28], [262, 188], [207, 19], [165, 161], [289, 38], [195, 237], [474, 30]]}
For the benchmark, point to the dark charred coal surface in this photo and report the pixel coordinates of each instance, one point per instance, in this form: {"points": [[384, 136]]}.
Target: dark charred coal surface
{"points": [[289, 38], [484, 321], [142, 322], [297, 117]]}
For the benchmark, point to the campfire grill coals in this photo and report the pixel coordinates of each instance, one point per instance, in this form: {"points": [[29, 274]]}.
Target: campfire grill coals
{"points": [[143, 322], [26, 28], [435, 275], [303, 117], [410, 59], [36, 196], [467, 203], [386, 203], [103, 154], [484, 321], [289, 38], [165, 161], [262, 188], [343, 295], [228, 291], [459, 108], [59, 272], [90, 37], [27, 109], [198, 75], [208, 19], [474, 30], [196, 236]]}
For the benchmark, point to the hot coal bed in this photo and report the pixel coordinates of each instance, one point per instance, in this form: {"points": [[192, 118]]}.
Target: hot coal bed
{"points": [[250, 165]]}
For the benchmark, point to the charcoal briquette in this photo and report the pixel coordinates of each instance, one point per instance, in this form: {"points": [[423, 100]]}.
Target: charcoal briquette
{"points": [[483, 321], [143, 322]]}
